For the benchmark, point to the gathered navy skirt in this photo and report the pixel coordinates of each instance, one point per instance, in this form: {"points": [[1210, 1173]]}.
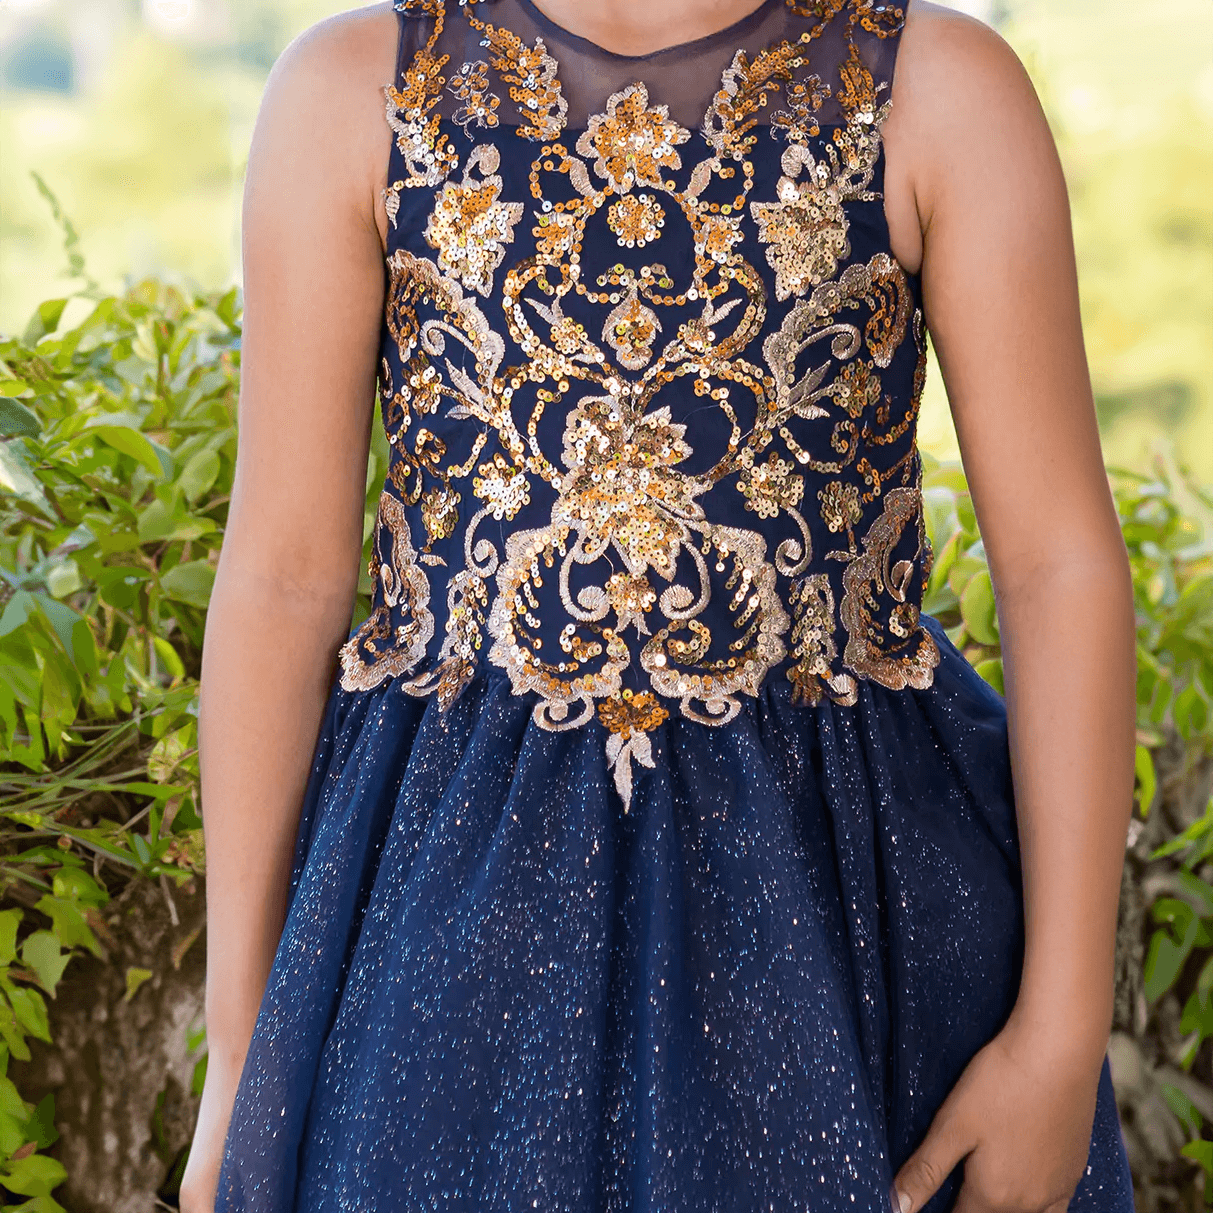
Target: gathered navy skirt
{"points": [[497, 991]]}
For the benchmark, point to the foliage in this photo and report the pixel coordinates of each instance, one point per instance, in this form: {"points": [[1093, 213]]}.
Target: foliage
{"points": [[117, 444], [117, 449]]}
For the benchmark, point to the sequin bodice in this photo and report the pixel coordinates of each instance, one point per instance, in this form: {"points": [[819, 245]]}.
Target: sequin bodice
{"points": [[650, 390]]}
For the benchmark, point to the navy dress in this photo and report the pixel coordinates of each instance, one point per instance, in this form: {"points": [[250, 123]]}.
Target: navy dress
{"points": [[658, 855]]}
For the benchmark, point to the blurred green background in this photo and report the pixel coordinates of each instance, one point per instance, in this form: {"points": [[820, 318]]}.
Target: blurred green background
{"points": [[138, 115]]}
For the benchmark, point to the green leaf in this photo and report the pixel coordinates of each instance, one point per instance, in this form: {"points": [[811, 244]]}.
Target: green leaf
{"points": [[157, 521], [1189, 711], [64, 578], [30, 1009], [1200, 831], [1198, 1013], [38, 1204], [36, 1175], [1147, 779], [74, 884], [190, 583], [991, 671], [11, 1032], [199, 474], [41, 1125], [129, 442], [978, 610], [169, 658], [1201, 1152], [68, 922], [14, 1117], [119, 586], [10, 920], [142, 850], [1184, 1109], [17, 479], [44, 320], [1169, 948], [134, 979], [43, 957], [84, 648], [198, 1078], [16, 420]]}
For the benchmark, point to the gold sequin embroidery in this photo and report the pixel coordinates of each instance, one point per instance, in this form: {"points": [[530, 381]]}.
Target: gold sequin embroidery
{"points": [[531, 74], [376, 651], [469, 226], [884, 641], [480, 105], [428, 155], [629, 719], [621, 573]]}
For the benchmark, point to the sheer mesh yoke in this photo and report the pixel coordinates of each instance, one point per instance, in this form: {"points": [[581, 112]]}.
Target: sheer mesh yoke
{"points": [[659, 854], [683, 77]]}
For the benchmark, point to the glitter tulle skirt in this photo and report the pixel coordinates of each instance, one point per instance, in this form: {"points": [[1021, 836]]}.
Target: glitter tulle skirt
{"points": [[497, 991]]}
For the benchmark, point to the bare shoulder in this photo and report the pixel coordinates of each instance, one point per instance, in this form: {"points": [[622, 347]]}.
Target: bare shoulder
{"points": [[348, 48], [322, 113], [963, 103], [952, 67]]}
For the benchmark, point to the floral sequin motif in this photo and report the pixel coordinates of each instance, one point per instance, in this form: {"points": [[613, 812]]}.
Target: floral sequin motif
{"points": [[769, 487], [623, 483], [629, 719], [806, 230], [636, 220], [884, 640], [470, 227], [427, 153], [378, 650], [480, 105], [632, 143], [503, 486]]}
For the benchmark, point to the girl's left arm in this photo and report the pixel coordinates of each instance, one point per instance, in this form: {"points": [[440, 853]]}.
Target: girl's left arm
{"points": [[970, 153]]}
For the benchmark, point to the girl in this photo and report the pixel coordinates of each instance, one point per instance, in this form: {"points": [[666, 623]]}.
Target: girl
{"points": [[647, 848]]}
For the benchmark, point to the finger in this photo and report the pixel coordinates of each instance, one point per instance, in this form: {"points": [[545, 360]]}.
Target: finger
{"points": [[947, 1142]]}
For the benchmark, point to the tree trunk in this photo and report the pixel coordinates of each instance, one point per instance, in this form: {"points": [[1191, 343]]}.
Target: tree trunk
{"points": [[119, 1067]]}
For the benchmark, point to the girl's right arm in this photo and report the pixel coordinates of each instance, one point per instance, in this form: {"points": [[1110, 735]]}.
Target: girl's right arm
{"points": [[314, 287]]}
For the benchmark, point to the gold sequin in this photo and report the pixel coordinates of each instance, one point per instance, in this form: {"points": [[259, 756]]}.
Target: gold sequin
{"points": [[377, 651], [427, 153], [884, 641], [629, 719]]}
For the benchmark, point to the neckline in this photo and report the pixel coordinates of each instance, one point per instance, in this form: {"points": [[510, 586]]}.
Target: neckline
{"points": [[739, 27]]}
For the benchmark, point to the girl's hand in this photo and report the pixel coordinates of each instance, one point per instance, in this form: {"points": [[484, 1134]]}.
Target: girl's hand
{"points": [[1020, 1117]]}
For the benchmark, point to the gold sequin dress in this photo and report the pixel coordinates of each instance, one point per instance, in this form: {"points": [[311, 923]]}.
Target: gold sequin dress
{"points": [[659, 854]]}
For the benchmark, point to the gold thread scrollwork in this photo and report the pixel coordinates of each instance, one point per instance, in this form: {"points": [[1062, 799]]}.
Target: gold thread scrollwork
{"points": [[378, 650], [885, 641]]}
